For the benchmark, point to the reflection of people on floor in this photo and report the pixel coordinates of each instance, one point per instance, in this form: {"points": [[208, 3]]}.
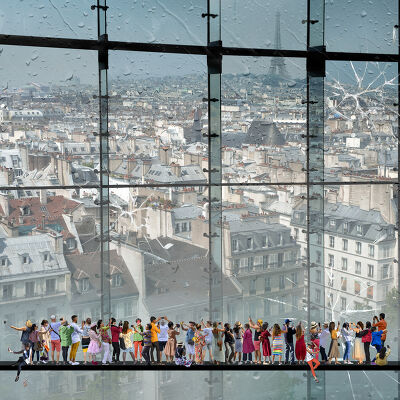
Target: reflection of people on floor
{"points": [[24, 359]]}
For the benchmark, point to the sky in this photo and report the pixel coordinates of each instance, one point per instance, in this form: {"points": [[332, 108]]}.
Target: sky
{"points": [[351, 25]]}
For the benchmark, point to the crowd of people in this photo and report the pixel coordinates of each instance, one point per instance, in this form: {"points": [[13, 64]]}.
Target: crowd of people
{"points": [[156, 341]]}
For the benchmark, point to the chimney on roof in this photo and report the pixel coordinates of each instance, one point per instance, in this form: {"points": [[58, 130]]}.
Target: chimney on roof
{"points": [[176, 169], [43, 197]]}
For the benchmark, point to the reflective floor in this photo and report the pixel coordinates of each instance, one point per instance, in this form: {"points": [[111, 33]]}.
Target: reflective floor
{"points": [[185, 384]]}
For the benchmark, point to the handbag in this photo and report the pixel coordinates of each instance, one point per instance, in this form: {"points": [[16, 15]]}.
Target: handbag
{"points": [[122, 342]]}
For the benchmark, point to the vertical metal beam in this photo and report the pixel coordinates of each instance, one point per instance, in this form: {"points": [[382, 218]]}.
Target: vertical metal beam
{"points": [[315, 170], [214, 64], [396, 190], [104, 161]]}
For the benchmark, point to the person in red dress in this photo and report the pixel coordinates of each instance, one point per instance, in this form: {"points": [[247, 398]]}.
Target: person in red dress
{"points": [[266, 347], [300, 349]]}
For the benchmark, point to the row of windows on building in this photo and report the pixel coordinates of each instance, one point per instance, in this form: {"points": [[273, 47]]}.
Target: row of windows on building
{"points": [[386, 270], [250, 245], [282, 282], [268, 260], [9, 289]]}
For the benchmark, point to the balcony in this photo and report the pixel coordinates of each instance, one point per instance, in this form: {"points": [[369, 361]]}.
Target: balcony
{"points": [[262, 269]]}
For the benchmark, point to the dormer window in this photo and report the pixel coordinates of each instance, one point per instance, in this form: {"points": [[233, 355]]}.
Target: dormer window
{"points": [[84, 284], [345, 226], [332, 223], [3, 261], [359, 229], [249, 243], [24, 258], [71, 243], [116, 280], [25, 210]]}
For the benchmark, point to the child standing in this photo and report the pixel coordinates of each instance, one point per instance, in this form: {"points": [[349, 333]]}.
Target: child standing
{"points": [[277, 343], [36, 344], [266, 347], [138, 339], [146, 344], [94, 345]]}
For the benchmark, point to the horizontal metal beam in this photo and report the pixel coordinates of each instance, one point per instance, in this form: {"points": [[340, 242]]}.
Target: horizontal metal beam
{"points": [[188, 185], [88, 44], [10, 366]]}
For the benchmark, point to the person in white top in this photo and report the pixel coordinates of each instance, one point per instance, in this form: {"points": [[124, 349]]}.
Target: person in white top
{"points": [[311, 360], [324, 338], [208, 335], [163, 336], [76, 339]]}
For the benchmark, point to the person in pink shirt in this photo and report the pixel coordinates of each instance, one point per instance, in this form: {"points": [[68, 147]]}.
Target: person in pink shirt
{"points": [[248, 345]]}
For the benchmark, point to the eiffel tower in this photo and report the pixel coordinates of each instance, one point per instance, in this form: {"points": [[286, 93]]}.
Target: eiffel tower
{"points": [[278, 66]]}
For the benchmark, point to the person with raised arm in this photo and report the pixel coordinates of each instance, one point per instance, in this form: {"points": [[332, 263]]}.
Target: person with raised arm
{"points": [[208, 335], [256, 342], [190, 330], [24, 359], [334, 348], [155, 330]]}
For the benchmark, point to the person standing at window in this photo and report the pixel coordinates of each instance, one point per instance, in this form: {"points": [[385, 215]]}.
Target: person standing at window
{"points": [[257, 343], [126, 335], [334, 348], [35, 342], [55, 337], [277, 343], [229, 342], [190, 329], [162, 336], [44, 336], [24, 359], [248, 346], [76, 339], [381, 325], [289, 332], [311, 359], [300, 344], [238, 333], [155, 330], [65, 332], [324, 336], [218, 354], [86, 338], [266, 346], [115, 332], [170, 347], [358, 349], [95, 344], [366, 341], [346, 335]]}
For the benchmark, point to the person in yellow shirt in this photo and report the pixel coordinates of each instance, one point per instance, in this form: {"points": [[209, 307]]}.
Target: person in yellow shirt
{"points": [[155, 330]]}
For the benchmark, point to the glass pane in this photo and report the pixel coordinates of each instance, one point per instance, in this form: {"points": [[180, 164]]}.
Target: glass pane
{"points": [[48, 117], [274, 25], [176, 22], [157, 118], [361, 127], [49, 263], [159, 232], [262, 254], [365, 27], [70, 19], [263, 120]]}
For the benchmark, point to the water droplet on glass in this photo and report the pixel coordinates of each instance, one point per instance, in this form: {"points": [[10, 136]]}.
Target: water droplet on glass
{"points": [[256, 376], [69, 77], [81, 25], [363, 13], [85, 14]]}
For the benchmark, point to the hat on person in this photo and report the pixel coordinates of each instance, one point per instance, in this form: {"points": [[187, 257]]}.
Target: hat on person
{"points": [[28, 323], [326, 323], [314, 325], [287, 320], [238, 323], [52, 316], [179, 344], [260, 322]]}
